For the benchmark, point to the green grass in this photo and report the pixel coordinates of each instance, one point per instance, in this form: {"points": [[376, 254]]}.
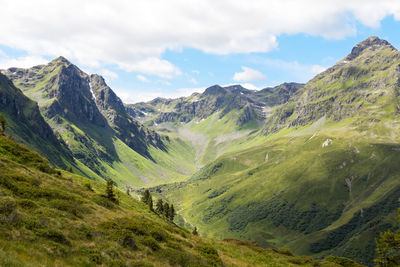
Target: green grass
{"points": [[50, 217], [298, 194]]}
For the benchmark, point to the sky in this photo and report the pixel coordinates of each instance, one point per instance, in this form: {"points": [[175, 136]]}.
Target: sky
{"points": [[156, 48]]}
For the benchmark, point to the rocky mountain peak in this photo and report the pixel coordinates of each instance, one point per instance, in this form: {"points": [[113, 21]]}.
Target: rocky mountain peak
{"points": [[372, 43], [60, 61], [104, 95], [214, 90]]}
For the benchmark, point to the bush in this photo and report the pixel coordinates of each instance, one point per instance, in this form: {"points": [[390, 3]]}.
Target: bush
{"points": [[285, 251], [159, 235], [151, 243], [211, 254], [56, 236], [7, 206], [342, 261]]}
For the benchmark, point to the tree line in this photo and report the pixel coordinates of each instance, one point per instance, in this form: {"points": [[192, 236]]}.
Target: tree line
{"points": [[162, 208]]}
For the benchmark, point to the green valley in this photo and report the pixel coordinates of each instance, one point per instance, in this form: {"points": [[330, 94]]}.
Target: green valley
{"points": [[312, 168]]}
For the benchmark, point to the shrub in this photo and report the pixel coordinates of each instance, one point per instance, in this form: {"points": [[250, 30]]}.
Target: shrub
{"points": [[211, 254], [56, 236], [158, 235], [151, 243], [285, 251], [88, 186]]}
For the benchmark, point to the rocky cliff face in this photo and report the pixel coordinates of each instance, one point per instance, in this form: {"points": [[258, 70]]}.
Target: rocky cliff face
{"points": [[86, 123], [26, 124], [134, 134], [366, 83], [249, 103]]}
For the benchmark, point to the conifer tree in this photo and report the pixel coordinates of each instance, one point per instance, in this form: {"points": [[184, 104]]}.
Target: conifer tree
{"points": [[160, 206], [110, 190], [150, 203], [171, 213], [166, 209], [195, 231], [388, 248], [3, 124], [146, 196]]}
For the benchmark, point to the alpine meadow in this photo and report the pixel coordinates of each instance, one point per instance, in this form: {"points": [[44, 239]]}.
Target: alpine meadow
{"points": [[117, 149]]}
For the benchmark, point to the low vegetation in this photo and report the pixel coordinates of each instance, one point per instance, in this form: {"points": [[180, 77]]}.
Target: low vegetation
{"points": [[51, 217]]}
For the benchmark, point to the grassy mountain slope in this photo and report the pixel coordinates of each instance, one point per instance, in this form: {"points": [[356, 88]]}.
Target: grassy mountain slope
{"points": [[54, 218], [26, 125], [325, 179], [218, 120], [105, 141]]}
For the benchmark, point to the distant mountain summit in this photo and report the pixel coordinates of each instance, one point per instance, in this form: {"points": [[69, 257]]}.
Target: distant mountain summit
{"points": [[250, 104], [365, 83], [372, 43]]}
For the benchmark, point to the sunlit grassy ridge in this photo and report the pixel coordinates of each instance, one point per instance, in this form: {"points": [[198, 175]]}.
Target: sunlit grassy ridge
{"points": [[324, 177], [51, 217], [326, 190]]}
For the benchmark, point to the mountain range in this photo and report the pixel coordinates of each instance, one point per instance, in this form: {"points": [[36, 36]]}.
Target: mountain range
{"points": [[311, 167]]}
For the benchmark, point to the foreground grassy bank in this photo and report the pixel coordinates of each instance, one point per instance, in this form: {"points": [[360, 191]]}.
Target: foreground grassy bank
{"points": [[49, 217]]}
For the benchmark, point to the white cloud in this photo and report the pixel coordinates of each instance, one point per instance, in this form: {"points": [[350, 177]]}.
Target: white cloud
{"points": [[299, 72], [249, 86], [128, 97], [134, 34], [196, 72], [248, 75], [108, 75], [193, 81], [142, 78], [317, 69], [20, 62]]}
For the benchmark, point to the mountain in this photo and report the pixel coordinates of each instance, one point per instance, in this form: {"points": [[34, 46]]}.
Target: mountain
{"points": [[367, 79], [322, 175], [130, 131], [104, 140], [50, 217], [215, 99], [216, 121], [27, 126]]}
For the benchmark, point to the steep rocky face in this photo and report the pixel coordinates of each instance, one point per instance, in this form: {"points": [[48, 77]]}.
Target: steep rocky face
{"points": [[26, 124], [65, 89], [372, 43], [366, 83], [83, 110], [248, 103], [63, 93], [134, 134], [273, 96]]}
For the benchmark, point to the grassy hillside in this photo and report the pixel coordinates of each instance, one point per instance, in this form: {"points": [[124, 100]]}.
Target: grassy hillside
{"points": [[25, 124], [54, 218], [91, 122], [325, 178], [325, 192]]}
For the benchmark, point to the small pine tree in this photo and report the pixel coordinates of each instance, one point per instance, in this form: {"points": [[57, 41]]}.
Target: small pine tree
{"points": [[128, 191], [146, 196], [166, 209], [171, 213], [388, 248], [3, 124], [110, 190], [160, 206], [150, 203], [195, 231]]}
